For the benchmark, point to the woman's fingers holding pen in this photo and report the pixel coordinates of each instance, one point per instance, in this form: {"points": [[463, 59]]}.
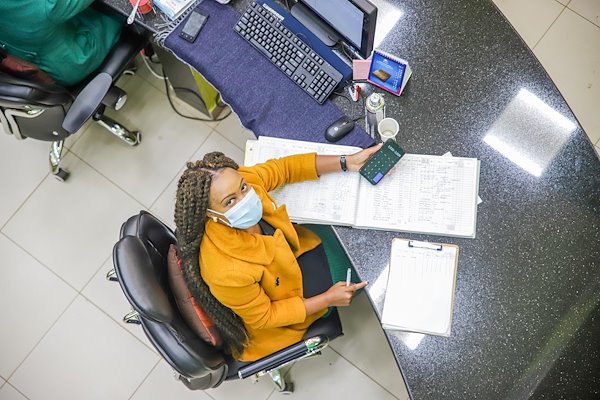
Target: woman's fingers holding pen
{"points": [[341, 295]]}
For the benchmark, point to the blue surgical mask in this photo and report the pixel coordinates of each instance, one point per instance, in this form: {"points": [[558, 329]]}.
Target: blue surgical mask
{"points": [[246, 213]]}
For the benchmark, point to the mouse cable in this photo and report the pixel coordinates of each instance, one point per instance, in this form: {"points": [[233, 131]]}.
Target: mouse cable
{"points": [[168, 91], [350, 102]]}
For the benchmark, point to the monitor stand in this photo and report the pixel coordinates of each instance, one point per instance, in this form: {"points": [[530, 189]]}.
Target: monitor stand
{"points": [[315, 24]]}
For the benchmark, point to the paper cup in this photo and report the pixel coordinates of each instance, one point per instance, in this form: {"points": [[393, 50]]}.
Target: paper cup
{"points": [[388, 129]]}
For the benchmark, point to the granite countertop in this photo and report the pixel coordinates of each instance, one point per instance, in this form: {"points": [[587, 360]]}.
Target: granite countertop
{"points": [[526, 318]]}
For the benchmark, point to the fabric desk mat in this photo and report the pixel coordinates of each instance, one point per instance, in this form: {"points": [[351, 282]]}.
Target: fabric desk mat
{"points": [[265, 99]]}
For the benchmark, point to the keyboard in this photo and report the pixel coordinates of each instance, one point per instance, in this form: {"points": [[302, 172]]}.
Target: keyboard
{"points": [[286, 51]]}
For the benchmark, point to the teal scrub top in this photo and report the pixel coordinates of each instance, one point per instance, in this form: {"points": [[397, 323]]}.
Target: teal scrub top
{"points": [[65, 38]]}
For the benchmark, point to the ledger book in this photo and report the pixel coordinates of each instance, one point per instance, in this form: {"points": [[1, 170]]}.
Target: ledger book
{"points": [[422, 194]]}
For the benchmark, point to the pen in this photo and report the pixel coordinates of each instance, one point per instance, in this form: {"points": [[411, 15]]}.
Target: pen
{"points": [[348, 274]]}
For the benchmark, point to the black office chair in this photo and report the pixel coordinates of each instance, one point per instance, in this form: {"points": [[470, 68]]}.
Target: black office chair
{"points": [[50, 112], [140, 260]]}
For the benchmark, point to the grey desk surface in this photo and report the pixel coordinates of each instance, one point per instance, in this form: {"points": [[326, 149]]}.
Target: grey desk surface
{"points": [[526, 317]]}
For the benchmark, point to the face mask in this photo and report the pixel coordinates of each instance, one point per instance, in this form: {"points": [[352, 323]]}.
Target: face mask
{"points": [[246, 213]]}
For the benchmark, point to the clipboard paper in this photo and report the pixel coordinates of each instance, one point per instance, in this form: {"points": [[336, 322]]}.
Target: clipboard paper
{"points": [[420, 288]]}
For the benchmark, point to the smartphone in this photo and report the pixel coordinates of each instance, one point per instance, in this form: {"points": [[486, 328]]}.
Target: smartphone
{"points": [[381, 162], [193, 25]]}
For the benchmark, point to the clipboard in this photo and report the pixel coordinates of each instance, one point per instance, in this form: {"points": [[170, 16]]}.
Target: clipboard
{"points": [[420, 288]]}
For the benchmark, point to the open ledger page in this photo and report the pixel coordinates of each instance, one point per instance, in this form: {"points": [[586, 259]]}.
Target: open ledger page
{"points": [[420, 289], [331, 199], [424, 194]]}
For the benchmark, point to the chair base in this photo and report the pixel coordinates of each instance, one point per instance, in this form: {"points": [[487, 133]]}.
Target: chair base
{"points": [[280, 383], [132, 138], [54, 158]]}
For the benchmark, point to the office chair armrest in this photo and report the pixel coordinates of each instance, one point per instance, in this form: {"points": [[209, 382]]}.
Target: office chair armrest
{"points": [[285, 356], [87, 102]]}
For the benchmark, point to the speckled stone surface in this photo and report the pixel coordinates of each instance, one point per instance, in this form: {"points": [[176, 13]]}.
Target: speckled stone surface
{"points": [[150, 21], [526, 314], [526, 318]]}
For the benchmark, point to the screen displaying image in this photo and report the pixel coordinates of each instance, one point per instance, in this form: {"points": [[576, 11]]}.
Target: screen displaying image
{"points": [[342, 15], [386, 73]]}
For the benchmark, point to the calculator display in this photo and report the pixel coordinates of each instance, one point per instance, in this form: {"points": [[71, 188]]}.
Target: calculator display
{"points": [[381, 162]]}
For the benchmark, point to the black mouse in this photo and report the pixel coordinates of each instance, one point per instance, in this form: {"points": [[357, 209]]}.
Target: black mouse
{"points": [[339, 129]]}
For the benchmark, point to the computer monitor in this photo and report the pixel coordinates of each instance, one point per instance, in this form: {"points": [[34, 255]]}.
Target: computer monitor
{"points": [[352, 20]]}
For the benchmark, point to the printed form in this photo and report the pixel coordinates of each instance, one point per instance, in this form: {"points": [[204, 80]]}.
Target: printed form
{"points": [[420, 289], [332, 197], [432, 194]]}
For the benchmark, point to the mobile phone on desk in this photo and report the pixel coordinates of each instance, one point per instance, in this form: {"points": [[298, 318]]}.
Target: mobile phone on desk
{"points": [[193, 25], [381, 162]]}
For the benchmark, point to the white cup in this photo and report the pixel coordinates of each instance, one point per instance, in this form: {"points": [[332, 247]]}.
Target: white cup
{"points": [[388, 129]]}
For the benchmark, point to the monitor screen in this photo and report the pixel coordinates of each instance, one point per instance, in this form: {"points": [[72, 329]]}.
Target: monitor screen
{"points": [[341, 15]]}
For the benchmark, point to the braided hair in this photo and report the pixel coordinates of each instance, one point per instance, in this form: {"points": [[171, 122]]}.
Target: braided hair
{"points": [[190, 215]]}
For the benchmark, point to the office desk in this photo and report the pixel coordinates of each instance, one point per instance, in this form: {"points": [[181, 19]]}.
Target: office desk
{"points": [[526, 317]]}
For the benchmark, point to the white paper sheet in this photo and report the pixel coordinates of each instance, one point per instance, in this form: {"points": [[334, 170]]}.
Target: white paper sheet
{"points": [[331, 199], [420, 289], [425, 194]]}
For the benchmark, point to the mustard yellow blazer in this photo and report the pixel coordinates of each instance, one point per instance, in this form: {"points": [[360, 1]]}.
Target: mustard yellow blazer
{"points": [[257, 276]]}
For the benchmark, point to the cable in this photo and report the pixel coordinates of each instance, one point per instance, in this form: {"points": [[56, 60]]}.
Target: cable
{"points": [[342, 94], [167, 90], [157, 76]]}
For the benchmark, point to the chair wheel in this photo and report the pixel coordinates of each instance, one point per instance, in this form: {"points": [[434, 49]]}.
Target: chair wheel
{"points": [[138, 138], [62, 175], [289, 388]]}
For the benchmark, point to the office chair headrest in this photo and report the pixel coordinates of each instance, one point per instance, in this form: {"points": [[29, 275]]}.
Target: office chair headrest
{"points": [[140, 260], [143, 279], [21, 91]]}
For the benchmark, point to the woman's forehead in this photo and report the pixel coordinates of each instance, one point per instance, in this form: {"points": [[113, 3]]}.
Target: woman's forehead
{"points": [[224, 182]]}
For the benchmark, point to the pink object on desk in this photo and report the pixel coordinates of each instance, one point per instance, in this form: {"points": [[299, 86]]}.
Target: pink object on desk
{"points": [[360, 69], [144, 7]]}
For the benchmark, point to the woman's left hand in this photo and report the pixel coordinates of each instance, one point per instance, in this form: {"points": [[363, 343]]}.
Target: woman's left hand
{"points": [[357, 160]]}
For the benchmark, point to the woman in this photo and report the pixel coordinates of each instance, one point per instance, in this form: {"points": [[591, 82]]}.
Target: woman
{"points": [[64, 38], [239, 250]]}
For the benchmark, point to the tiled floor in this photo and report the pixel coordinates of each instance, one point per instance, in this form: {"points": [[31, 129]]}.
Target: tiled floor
{"points": [[565, 37], [61, 335]]}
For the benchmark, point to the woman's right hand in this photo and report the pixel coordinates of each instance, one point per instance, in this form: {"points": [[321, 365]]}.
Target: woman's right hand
{"points": [[340, 295]]}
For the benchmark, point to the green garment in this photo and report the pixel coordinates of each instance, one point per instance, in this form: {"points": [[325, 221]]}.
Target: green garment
{"points": [[62, 37]]}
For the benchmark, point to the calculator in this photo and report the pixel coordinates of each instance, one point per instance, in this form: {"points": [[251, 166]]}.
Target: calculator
{"points": [[381, 162]]}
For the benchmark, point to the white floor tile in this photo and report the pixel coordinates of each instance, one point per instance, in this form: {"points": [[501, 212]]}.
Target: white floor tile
{"points": [[10, 393], [532, 18], [231, 390], [570, 52], [364, 344], [84, 356], [23, 165], [164, 207], [145, 170], [232, 129], [589, 9], [330, 376], [32, 299], [161, 385], [71, 227], [109, 297], [143, 72]]}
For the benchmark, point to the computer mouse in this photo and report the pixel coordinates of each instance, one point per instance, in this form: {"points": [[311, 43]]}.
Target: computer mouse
{"points": [[339, 129]]}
